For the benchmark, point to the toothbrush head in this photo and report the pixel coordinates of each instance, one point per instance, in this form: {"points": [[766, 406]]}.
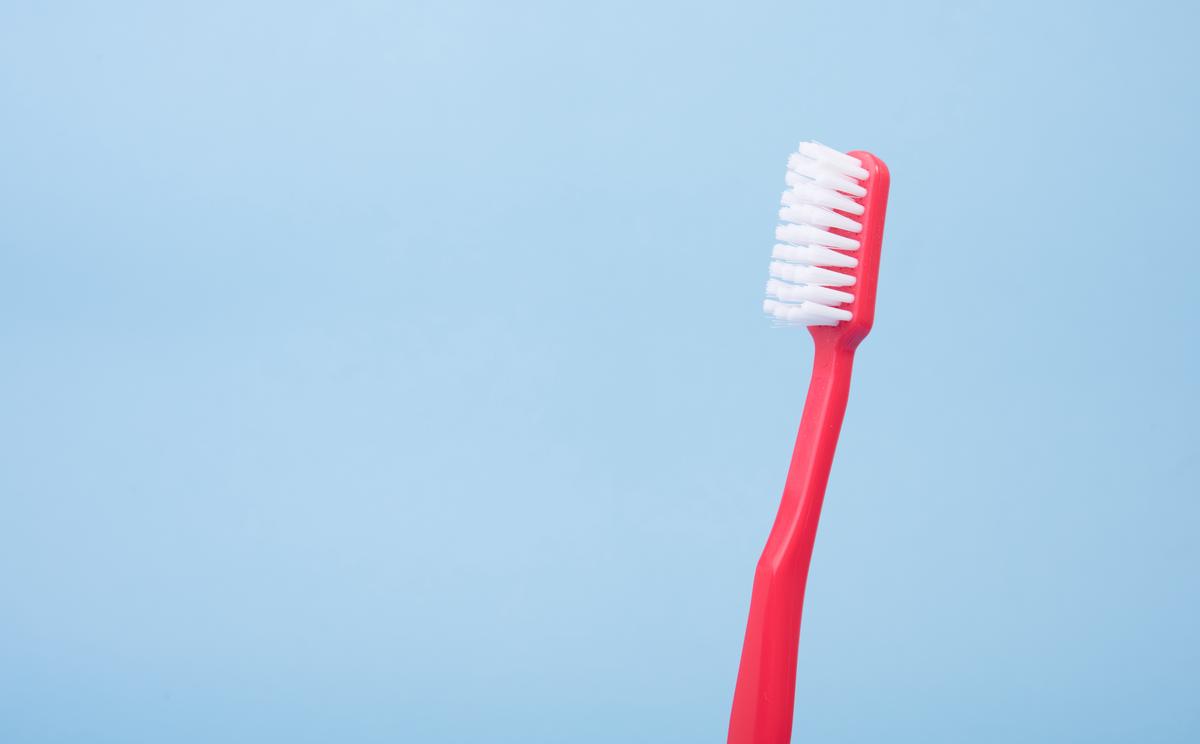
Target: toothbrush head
{"points": [[825, 262]]}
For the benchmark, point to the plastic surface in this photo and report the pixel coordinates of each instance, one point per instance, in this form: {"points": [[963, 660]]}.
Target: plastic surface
{"points": [[766, 686]]}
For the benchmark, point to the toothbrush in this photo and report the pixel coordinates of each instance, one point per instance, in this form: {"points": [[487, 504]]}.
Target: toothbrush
{"points": [[823, 275]]}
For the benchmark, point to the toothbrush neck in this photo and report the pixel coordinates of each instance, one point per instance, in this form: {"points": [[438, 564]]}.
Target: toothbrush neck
{"points": [[820, 425]]}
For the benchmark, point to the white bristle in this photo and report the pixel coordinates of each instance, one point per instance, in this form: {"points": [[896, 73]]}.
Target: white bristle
{"points": [[810, 292], [808, 261], [801, 274], [847, 164], [819, 216], [822, 174], [796, 234], [805, 313], [808, 193], [813, 255]]}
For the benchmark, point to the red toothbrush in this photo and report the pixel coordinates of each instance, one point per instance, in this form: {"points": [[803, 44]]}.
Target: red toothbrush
{"points": [[823, 275]]}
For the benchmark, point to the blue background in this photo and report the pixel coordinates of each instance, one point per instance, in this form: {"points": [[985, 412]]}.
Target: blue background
{"points": [[395, 372]]}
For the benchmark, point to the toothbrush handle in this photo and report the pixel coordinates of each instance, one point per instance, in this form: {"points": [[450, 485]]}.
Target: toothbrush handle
{"points": [[764, 698]]}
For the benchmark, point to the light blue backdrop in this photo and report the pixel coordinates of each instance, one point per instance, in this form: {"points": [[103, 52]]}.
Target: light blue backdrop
{"points": [[386, 372]]}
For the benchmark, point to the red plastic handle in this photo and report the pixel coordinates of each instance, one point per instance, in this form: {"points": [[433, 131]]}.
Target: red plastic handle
{"points": [[765, 693], [764, 698]]}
